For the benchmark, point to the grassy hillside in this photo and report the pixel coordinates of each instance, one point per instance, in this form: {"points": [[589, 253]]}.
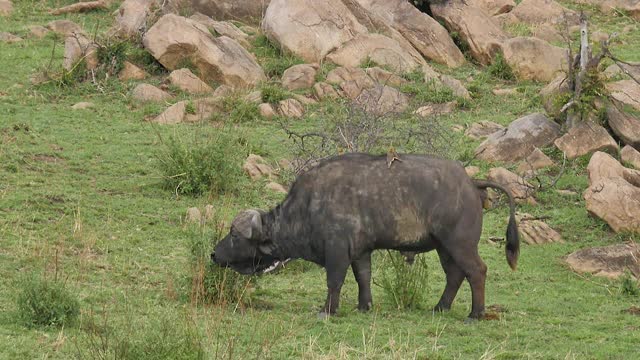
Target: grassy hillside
{"points": [[82, 203]]}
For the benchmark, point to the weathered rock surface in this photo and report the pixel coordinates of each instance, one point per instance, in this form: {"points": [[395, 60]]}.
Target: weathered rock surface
{"points": [[9, 38], [147, 92], [187, 81], [174, 40], [493, 7], [310, 29], [223, 28], [78, 47], [423, 32], [475, 26], [131, 17], [631, 7], [378, 48], [300, 76], [482, 129], [83, 105], [6, 7], [205, 108], [254, 97], [256, 167], [534, 59], [242, 10], [38, 31], [291, 108], [352, 80], [436, 109], [521, 190], [626, 91], [266, 111], [455, 85], [173, 115], [609, 261], [585, 138], [65, 27], [519, 139], [325, 91], [535, 161], [614, 193], [83, 6], [624, 125], [535, 231], [472, 170], [382, 100], [193, 216], [384, 77], [550, 93], [543, 11], [504, 92], [630, 156], [131, 72]]}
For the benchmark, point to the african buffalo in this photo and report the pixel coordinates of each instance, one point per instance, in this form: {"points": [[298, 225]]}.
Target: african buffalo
{"points": [[341, 210]]}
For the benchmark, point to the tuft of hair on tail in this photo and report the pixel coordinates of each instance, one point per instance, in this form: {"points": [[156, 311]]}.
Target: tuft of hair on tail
{"points": [[512, 249]]}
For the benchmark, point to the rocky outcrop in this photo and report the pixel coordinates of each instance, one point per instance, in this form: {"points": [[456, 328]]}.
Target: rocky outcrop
{"points": [[131, 72], [631, 156], [173, 115], [482, 129], [493, 7], [351, 80], [609, 261], [626, 92], [256, 167], [534, 59], [146, 92], [475, 27], [543, 11], [535, 161], [244, 10], [78, 47], [325, 91], [614, 193], [585, 138], [535, 231], [381, 100], [519, 139], [223, 28], [519, 188], [423, 32], [131, 17], [291, 108], [310, 29], [631, 7], [175, 40], [552, 92], [384, 77]]}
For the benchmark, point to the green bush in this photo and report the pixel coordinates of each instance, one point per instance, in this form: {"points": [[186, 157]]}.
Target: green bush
{"points": [[272, 93], [428, 92], [47, 303], [628, 285], [404, 284], [209, 164], [500, 69]]}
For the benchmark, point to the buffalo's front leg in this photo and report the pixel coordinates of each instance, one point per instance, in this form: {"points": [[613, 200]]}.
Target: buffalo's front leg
{"points": [[336, 272], [362, 272], [454, 275]]}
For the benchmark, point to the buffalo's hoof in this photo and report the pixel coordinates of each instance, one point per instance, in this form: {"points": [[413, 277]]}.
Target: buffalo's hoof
{"points": [[474, 318], [470, 321], [364, 307], [441, 308]]}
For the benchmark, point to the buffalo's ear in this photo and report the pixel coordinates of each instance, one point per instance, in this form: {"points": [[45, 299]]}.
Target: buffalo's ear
{"points": [[249, 224], [256, 226]]}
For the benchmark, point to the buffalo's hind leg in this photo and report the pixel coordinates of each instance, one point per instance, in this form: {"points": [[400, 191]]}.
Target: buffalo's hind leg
{"points": [[468, 260], [455, 276], [362, 272]]}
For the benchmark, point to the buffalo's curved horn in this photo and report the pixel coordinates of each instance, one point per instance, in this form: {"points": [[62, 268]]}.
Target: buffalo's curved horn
{"points": [[249, 224]]}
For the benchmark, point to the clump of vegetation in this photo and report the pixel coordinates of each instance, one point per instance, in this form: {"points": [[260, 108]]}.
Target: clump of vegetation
{"points": [[211, 284], [403, 283], [273, 59], [629, 286], [44, 302], [112, 55], [238, 110], [500, 69], [427, 92], [272, 93], [206, 164]]}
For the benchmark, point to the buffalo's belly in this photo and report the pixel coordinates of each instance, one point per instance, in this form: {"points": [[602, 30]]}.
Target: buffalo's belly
{"points": [[426, 243]]}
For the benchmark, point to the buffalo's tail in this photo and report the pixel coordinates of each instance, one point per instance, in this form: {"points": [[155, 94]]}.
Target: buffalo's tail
{"points": [[513, 239]]}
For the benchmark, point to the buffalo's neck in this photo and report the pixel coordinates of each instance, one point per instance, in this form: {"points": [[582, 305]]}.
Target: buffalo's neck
{"points": [[288, 235]]}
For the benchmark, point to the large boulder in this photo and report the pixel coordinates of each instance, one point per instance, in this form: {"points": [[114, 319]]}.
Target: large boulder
{"points": [[586, 138], [378, 48], [552, 92], [173, 115], [534, 59], [535, 231], [351, 80], [614, 193], [427, 35], [481, 129], [244, 10], [626, 91], [382, 100], [147, 92], [610, 261], [519, 139], [223, 28], [300, 76], [535, 161], [475, 27], [78, 47], [131, 16], [543, 11], [310, 29], [493, 7], [175, 40], [384, 77], [624, 125], [6, 7], [131, 72]]}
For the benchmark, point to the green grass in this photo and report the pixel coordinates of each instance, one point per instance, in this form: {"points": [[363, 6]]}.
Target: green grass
{"points": [[82, 196]]}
